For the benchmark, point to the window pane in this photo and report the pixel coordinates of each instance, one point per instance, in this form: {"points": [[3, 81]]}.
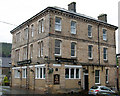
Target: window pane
{"points": [[97, 76], [44, 73], [89, 30], [104, 34], [72, 73], [73, 49], [90, 51], [73, 27], [67, 73], [57, 46], [58, 24], [77, 73], [40, 72]]}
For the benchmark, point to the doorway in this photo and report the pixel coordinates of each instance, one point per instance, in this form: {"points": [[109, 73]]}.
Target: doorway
{"points": [[86, 84]]}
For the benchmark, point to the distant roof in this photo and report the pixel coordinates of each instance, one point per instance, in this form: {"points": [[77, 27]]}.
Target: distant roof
{"points": [[62, 10], [5, 61]]}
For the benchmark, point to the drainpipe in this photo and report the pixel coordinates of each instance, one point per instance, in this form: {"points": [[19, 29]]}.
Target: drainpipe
{"points": [[27, 73], [98, 44]]}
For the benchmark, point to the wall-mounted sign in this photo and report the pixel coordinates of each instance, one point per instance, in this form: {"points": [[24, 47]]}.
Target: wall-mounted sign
{"points": [[56, 79]]}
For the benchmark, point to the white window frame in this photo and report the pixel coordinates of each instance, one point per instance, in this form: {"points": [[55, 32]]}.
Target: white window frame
{"points": [[105, 54], [38, 72], [90, 31], [104, 35], [58, 47], [58, 25], [97, 77], [90, 52], [16, 73], [73, 67], [73, 27], [73, 49]]}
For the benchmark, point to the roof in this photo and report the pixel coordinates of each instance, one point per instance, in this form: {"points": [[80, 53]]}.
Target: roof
{"points": [[66, 11], [5, 61]]}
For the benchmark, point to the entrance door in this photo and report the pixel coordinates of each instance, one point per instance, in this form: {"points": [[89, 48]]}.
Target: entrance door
{"points": [[86, 82]]}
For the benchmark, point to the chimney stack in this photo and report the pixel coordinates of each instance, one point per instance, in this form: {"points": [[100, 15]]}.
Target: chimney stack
{"points": [[72, 6], [103, 17]]}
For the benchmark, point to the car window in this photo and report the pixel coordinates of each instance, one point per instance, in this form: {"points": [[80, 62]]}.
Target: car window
{"points": [[94, 87], [105, 88]]}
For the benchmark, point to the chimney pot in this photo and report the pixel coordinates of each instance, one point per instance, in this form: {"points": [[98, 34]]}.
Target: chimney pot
{"points": [[103, 17], [72, 6]]}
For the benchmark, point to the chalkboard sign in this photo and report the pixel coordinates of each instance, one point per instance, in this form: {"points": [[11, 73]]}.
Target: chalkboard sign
{"points": [[56, 79]]}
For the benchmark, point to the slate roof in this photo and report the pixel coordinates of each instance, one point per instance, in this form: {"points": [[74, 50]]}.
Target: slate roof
{"points": [[5, 61]]}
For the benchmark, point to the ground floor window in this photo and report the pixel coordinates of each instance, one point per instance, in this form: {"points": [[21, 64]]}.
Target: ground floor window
{"points": [[16, 73], [24, 73], [97, 76], [40, 73], [72, 73], [106, 75]]}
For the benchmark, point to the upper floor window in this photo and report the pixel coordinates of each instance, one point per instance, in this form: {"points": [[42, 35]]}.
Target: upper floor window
{"points": [[73, 49], [40, 49], [18, 37], [26, 33], [58, 24], [97, 76], [89, 31], [104, 34], [17, 55], [57, 47], [90, 51], [105, 53], [32, 30], [31, 50], [24, 53], [41, 26], [73, 27]]}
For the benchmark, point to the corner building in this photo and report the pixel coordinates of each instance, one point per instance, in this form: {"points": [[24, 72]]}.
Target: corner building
{"points": [[59, 51]]}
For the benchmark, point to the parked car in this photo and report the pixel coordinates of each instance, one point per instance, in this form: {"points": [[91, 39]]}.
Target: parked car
{"points": [[94, 90]]}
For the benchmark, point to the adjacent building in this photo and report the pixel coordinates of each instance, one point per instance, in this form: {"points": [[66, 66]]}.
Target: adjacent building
{"points": [[5, 59], [59, 50]]}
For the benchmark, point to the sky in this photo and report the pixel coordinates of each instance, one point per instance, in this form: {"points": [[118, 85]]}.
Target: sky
{"points": [[14, 12]]}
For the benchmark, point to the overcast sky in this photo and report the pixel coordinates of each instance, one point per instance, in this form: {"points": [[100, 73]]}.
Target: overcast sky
{"points": [[17, 11]]}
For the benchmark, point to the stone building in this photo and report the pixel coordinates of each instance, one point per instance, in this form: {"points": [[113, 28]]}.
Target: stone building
{"points": [[59, 50]]}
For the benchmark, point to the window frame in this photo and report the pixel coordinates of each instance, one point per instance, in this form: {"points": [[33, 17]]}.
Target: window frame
{"points": [[105, 59], [38, 72], [41, 25], [75, 75], [26, 32], [58, 24], [58, 47], [73, 27], [90, 52], [90, 31], [73, 49], [97, 77], [104, 34], [16, 73]]}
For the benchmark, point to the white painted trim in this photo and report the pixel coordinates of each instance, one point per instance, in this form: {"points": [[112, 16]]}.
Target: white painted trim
{"points": [[30, 66], [73, 66], [16, 68], [24, 67], [41, 65], [57, 65]]}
